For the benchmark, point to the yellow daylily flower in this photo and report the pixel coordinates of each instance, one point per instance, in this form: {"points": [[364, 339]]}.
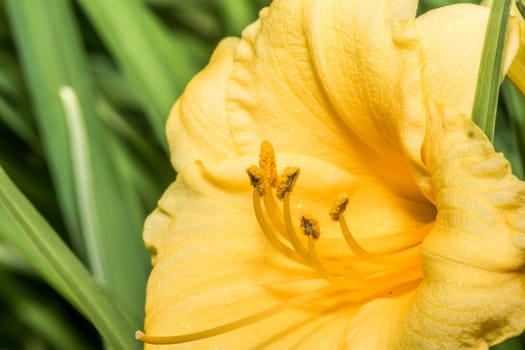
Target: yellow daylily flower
{"points": [[357, 109]]}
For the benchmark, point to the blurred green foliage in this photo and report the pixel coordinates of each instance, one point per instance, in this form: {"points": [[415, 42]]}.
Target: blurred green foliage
{"points": [[94, 162]]}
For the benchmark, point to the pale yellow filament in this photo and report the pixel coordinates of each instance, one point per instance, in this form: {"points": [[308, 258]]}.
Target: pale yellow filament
{"points": [[389, 243], [294, 239], [369, 286], [231, 326], [339, 281], [268, 232], [275, 214], [396, 257], [349, 238]]}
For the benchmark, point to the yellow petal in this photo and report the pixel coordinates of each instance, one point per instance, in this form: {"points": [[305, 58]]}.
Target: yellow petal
{"points": [[212, 261], [213, 266], [198, 126], [452, 40], [336, 86], [308, 79], [380, 315], [472, 295]]}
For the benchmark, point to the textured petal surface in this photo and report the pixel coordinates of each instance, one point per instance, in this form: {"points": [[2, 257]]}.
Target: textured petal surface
{"points": [[452, 40], [473, 294], [200, 128], [214, 266], [309, 76], [380, 315], [212, 261], [336, 87]]}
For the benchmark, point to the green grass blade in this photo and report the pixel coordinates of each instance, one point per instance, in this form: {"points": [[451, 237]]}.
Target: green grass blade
{"points": [[17, 124], [112, 84], [37, 315], [117, 123], [511, 344], [40, 245], [12, 99], [82, 173], [11, 260], [490, 69], [506, 140], [35, 187], [237, 15], [155, 63], [10, 78], [106, 226], [515, 106], [43, 65]]}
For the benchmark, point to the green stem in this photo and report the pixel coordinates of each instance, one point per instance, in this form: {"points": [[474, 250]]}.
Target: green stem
{"points": [[490, 69]]}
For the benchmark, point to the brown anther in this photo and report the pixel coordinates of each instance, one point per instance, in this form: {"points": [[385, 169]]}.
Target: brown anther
{"points": [[267, 163], [257, 179], [287, 181], [338, 207], [310, 226]]}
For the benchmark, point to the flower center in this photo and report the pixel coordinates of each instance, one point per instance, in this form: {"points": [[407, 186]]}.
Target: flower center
{"points": [[362, 274]]}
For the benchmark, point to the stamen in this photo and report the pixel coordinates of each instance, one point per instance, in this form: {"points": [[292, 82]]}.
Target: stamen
{"points": [[336, 213], [310, 226], [389, 243], [362, 275], [287, 181], [275, 214], [396, 258], [349, 238], [339, 207], [267, 163], [290, 230], [257, 179], [231, 326], [370, 286], [339, 281], [268, 232]]}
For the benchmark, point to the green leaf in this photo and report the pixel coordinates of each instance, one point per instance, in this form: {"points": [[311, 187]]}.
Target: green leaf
{"points": [[490, 70], [156, 63], [104, 222], [237, 15], [24, 228], [511, 344], [515, 106], [12, 96], [142, 167], [35, 313], [426, 5], [521, 7], [17, 124]]}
